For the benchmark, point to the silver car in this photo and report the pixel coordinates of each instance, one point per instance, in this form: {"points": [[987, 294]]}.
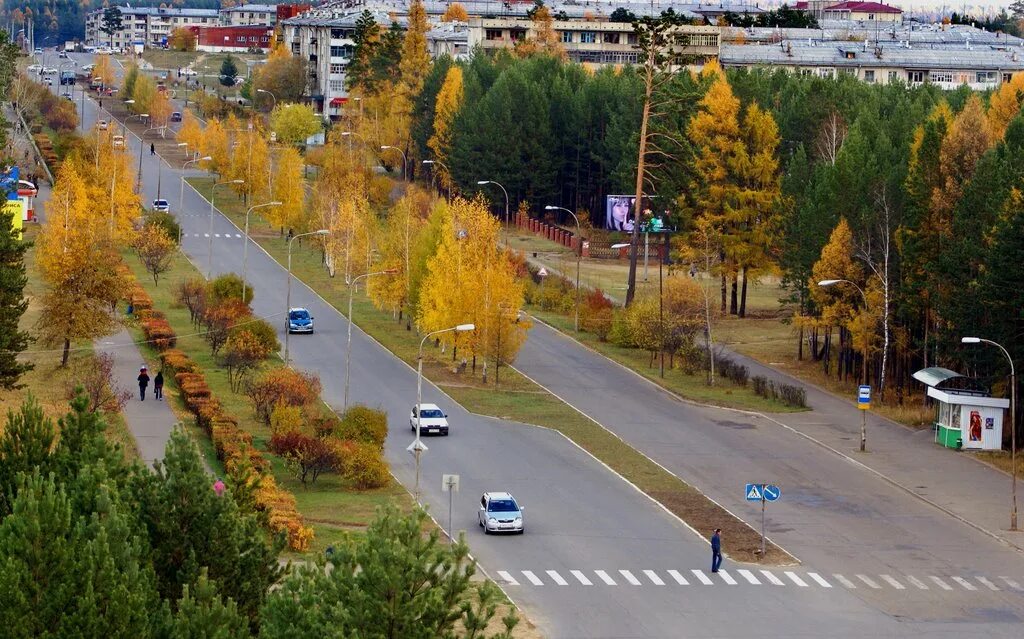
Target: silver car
{"points": [[499, 512]]}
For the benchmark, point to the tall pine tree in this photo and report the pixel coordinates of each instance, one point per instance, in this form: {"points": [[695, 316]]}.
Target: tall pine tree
{"points": [[12, 304]]}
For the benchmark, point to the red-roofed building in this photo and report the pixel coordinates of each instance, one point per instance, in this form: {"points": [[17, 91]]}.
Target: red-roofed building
{"points": [[863, 12], [233, 38]]}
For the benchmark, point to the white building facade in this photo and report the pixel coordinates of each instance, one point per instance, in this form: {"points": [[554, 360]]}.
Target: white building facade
{"points": [[149, 26]]}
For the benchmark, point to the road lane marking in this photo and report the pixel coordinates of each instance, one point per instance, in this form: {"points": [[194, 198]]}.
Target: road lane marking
{"points": [[795, 578], [653, 576], [509, 579], [988, 584], [629, 577], [558, 578], [206, 235], [963, 582], [605, 578], [238, 235], [581, 577], [216, 234], [916, 582], [533, 578], [749, 576], [1011, 583], [868, 581], [821, 580], [726, 577], [702, 577], [772, 578], [846, 582], [678, 577], [892, 582], [940, 583]]}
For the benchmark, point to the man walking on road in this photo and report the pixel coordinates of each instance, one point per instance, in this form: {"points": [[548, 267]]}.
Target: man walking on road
{"points": [[143, 383], [716, 550], [158, 386]]}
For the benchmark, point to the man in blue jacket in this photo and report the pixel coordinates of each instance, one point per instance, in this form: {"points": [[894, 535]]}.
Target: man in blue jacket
{"points": [[716, 550]]}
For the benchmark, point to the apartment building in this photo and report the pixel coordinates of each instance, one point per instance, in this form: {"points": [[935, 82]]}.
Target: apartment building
{"points": [[145, 26], [249, 15]]}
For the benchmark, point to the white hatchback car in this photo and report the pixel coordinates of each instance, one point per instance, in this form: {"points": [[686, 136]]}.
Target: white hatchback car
{"points": [[432, 420], [499, 512]]}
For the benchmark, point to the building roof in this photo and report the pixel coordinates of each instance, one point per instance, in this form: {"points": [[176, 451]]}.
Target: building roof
{"points": [[863, 7], [921, 36], [253, 8], [791, 53], [171, 11]]}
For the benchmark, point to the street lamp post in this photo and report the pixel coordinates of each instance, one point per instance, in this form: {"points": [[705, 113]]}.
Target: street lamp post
{"points": [[405, 174], [417, 446], [288, 293], [579, 252], [209, 255], [348, 348], [442, 165], [245, 246], [483, 182], [142, 148], [1013, 428], [272, 96], [864, 366]]}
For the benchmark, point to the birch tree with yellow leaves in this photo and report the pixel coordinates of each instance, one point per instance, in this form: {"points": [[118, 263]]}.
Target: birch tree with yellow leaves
{"points": [[397, 238], [288, 188], [449, 101], [217, 145], [191, 133], [250, 162]]}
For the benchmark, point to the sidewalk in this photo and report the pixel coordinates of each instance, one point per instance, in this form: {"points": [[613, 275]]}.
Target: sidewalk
{"points": [[150, 422]]}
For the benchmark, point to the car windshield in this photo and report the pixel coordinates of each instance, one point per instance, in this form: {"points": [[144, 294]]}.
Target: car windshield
{"points": [[298, 315], [432, 412], [160, 202], [502, 506]]}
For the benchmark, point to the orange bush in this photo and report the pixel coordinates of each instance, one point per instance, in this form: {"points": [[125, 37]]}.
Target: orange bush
{"points": [[282, 386], [177, 361], [159, 332]]}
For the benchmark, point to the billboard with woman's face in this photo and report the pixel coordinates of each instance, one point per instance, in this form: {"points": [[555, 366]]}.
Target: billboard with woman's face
{"points": [[619, 212]]}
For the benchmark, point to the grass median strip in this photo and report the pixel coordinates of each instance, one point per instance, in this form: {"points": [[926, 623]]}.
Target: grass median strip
{"points": [[516, 398]]}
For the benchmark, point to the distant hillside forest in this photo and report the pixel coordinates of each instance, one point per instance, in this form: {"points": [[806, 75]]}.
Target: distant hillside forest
{"points": [[57, 21]]}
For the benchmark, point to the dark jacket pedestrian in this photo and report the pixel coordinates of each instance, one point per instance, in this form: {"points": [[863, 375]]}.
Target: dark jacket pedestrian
{"points": [[716, 550], [143, 383], [152, 149], [158, 386]]}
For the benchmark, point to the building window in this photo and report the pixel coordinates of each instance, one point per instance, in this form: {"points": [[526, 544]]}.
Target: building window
{"points": [[893, 76], [337, 68], [493, 34], [611, 38], [631, 38], [985, 77], [337, 52], [588, 37], [940, 76], [869, 75], [1007, 77], [337, 86], [806, 72], [915, 76], [240, 38], [566, 36], [827, 72], [871, 16]]}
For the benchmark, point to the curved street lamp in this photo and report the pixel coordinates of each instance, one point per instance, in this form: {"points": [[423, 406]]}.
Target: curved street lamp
{"points": [[864, 366], [348, 348], [245, 246], [578, 251], [288, 294], [483, 182], [395, 148]]}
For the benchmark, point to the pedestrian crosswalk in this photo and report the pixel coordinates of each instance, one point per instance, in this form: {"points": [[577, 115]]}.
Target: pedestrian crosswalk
{"points": [[224, 236], [761, 577]]}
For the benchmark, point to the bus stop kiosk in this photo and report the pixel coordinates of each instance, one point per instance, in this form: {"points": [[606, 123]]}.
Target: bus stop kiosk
{"points": [[966, 415]]}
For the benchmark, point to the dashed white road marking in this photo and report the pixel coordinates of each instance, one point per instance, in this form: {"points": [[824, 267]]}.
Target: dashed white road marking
{"points": [[581, 577], [726, 577], [1011, 583], [678, 577], [701, 577], [988, 584], [892, 582], [772, 578], [749, 576], [604, 577], [867, 580], [533, 578], [558, 578], [509, 579], [238, 235], [655, 579], [795, 578], [629, 577], [846, 582], [821, 580], [963, 582], [206, 235], [216, 234], [916, 582], [940, 583]]}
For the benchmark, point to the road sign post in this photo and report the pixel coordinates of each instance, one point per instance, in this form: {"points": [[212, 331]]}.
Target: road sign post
{"points": [[864, 403], [450, 485], [763, 493]]}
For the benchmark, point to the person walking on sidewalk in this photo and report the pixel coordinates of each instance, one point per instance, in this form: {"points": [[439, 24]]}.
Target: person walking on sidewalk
{"points": [[143, 383], [716, 550], [158, 386], [152, 149]]}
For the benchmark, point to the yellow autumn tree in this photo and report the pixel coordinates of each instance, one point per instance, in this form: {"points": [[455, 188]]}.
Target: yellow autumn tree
{"points": [[251, 163], [217, 145], [455, 13], [969, 137], [190, 132], [397, 237], [160, 109], [293, 123], [1004, 105], [143, 93], [289, 189], [449, 102], [104, 70], [415, 60], [841, 305], [546, 41]]}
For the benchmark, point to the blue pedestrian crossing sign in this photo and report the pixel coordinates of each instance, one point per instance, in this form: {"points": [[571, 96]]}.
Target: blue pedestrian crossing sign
{"points": [[762, 492], [754, 492], [770, 492]]}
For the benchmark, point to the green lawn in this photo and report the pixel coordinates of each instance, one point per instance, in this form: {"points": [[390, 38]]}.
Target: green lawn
{"points": [[517, 398]]}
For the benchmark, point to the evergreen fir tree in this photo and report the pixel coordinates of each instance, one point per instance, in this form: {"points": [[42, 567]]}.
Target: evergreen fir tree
{"points": [[12, 304]]}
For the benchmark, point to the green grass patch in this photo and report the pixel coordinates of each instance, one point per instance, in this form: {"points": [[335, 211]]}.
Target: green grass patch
{"points": [[515, 398]]}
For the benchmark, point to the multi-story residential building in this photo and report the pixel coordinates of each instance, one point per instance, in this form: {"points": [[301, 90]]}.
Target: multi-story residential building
{"points": [[863, 12], [592, 41], [145, 26], [250, 15]]}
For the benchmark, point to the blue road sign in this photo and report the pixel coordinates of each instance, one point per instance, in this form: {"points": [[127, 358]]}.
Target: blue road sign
{"points": [[754, 492], [770, 492]]}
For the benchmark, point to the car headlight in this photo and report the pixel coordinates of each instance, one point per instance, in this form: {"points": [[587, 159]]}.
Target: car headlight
{"points": [[519, 520], [492, 520]]}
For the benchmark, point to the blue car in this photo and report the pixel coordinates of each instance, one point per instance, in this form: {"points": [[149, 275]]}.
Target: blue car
{"points": [[299, 321]]}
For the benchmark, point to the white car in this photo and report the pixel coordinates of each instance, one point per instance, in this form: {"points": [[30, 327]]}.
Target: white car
{"points": [[189, 72], [38, 51], [33, 68], [499, 512], [49, 71], [432, 420], [162, 206], [102, 125]]}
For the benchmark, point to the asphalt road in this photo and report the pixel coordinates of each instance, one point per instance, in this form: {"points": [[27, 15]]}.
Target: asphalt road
{"points": [[579, 516]]}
